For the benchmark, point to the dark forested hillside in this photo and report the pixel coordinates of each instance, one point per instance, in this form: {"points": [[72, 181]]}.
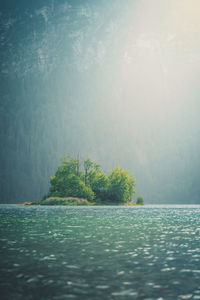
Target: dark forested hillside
{"points": [[100, 79]]}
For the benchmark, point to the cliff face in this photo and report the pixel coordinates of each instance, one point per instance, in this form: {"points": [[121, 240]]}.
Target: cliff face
{"points": [[77, 77]]}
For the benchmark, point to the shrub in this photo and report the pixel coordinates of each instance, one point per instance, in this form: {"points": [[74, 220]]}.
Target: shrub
{"points": [[140, 200], [65, 201]]}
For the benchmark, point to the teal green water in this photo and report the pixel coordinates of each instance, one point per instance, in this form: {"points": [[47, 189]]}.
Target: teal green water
{"points": [[93, 253]]}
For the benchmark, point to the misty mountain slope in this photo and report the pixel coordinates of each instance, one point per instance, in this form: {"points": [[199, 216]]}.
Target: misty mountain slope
{"points": [[113, 81]]}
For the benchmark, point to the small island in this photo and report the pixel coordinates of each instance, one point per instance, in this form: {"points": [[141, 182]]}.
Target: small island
{"points": [[87, 184]]}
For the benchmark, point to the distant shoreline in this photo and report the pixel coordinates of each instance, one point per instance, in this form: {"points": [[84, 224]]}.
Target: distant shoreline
{"points": [[74, 201]]}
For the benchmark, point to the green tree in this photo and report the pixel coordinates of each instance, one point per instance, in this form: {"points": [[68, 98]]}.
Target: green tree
{"points": [[99, 183], [70, 186], [89, 165], [69, 165], [67, 181], [93, 183], [121, 185], [97, 179]]}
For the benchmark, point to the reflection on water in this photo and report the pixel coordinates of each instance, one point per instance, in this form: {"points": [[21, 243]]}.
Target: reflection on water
{"points": [[100, 252]]}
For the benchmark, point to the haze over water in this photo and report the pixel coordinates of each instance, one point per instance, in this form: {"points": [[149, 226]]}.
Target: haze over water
{"points": [[116, 81], [149, 252]]}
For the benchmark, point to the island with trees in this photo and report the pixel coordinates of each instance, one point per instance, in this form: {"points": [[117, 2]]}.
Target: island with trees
{"points": [[86, 184]]}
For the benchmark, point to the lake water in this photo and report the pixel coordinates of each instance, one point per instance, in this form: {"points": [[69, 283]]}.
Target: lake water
{"points": [[150, 252]]}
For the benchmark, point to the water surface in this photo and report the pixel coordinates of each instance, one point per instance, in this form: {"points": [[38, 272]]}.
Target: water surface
{"points": [[150, 252]]}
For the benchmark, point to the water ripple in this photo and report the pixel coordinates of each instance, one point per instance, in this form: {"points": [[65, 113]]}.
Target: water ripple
{"points": [[100, 252]]}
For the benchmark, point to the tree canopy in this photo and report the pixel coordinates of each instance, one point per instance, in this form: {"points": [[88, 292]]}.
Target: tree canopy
{"points": [[88, 180], [121, 185]]}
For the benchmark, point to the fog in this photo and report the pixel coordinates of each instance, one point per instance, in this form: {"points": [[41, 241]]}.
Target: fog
{"points": [[116, 81]]}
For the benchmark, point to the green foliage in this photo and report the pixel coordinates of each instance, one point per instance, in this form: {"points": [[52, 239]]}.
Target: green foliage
{"points": [[64, 201], [69, 165], [67, 181], [99, 183], [97, 180], [70, 185], [121, 185], [140, 200], [91, 183], [89, 166]]}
